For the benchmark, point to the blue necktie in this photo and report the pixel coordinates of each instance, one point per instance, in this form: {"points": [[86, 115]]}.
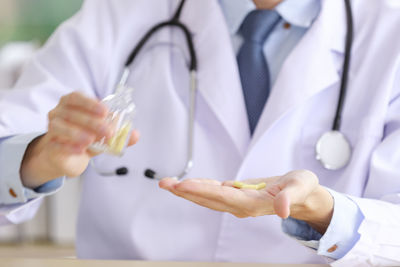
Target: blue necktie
{"points": [[253, 68]]}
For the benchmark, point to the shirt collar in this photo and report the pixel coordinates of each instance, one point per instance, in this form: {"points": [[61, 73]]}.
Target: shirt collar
{"points": [[299, 13]]}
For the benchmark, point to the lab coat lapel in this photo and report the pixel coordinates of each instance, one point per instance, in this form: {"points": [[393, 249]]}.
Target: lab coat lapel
{"points": [[309, 69], [218, 77]]}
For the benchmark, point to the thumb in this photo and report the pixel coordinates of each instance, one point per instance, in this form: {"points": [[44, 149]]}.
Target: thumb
{"points": [[294, 187], [282, 203], [134, 138], [290, 193]]}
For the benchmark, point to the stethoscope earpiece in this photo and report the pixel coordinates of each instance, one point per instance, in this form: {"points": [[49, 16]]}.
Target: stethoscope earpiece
{"points": [[150, 174], [121, 171]]}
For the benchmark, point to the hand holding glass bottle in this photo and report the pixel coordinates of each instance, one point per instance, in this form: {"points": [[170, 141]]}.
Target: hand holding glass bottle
{"points": [[75, 124]]}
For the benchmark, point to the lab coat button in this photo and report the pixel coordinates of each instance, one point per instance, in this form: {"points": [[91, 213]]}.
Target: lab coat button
{"points": [[286, 25], [12, 193], [332, 249]]}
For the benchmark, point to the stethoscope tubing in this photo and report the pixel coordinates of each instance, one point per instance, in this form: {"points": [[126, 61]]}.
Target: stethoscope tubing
{"points": [[346, 66]]}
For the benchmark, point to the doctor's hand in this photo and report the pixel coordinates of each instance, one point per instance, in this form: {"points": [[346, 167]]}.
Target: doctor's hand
{"points": [[74, 124], [296, 194]]}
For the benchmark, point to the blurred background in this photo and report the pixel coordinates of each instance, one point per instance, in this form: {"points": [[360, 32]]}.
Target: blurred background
{"points": [[24, 26]]}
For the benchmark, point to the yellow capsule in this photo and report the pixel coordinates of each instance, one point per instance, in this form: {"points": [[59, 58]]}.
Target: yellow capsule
{"points": [[242, 185], [238, 184], [261, 185], [117, 142]]}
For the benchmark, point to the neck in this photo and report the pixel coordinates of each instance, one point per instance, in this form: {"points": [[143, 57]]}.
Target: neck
{"points": [[266, 4]]}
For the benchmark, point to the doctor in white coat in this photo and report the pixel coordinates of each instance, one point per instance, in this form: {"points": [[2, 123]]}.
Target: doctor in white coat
{"points": [[349, 216]]}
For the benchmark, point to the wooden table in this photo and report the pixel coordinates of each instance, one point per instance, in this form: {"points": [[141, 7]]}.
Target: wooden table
{"points": [[21, 262]]}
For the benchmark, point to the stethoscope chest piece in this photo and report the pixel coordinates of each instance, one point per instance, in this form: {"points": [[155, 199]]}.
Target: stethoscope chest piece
{"points": [[333, 150]]}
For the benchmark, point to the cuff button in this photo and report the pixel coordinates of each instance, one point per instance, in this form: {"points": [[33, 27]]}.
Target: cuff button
{"points": [[332, 249], [12, 193], [287, 25]]}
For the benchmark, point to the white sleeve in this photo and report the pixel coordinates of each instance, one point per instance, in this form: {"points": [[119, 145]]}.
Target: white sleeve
{"points": [[379, 243]]}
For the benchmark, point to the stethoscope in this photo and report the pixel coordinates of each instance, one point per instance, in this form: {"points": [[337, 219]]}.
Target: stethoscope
{"points": [[333, 149]]}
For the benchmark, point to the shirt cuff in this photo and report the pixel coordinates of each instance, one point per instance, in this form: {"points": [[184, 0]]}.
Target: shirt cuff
{"points": [[341, 234], [301, 231], [12, 151]]}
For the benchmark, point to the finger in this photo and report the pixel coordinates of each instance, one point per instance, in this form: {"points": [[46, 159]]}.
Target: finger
{"points": [[77, 99], [65, 132], [134, 138], [210, 204], [65, 148], [299, 184], [86, 120], [169, 183], [290, 192], [212, 190], [282, 204], [228, 183], [202, 188], [204, 181]]}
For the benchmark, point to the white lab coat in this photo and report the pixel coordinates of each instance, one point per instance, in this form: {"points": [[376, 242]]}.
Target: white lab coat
{"points": [[131, 218]]}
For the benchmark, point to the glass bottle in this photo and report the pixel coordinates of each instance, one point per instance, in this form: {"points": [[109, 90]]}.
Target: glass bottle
{"points": [[120, 117]]}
